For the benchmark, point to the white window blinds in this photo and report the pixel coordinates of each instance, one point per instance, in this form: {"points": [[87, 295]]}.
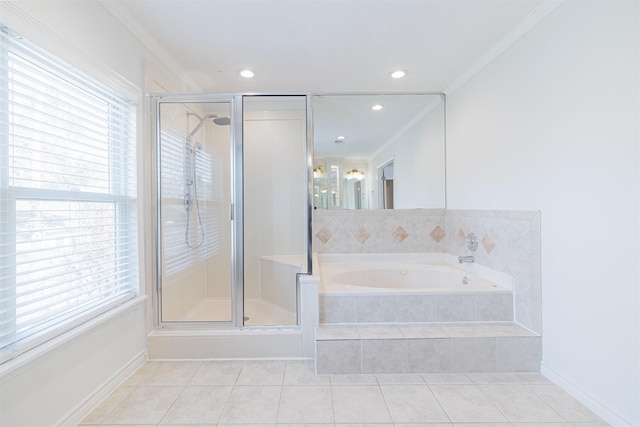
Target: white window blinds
{"points": [[189, 171], [68, 236]]}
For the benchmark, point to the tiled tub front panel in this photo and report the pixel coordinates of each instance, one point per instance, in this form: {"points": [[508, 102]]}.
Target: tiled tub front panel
{"points": [[435, 348], [416, 308]]}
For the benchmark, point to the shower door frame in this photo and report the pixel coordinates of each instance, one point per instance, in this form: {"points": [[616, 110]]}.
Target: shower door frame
{"points": [[236, 211]]}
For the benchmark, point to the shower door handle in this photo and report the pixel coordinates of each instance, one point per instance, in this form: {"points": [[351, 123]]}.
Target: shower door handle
{"points": [[231, 211]]}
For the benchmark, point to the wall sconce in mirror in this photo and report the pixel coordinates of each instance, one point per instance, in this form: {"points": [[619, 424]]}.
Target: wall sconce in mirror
{"points": [[318, 172], [355, 174]]}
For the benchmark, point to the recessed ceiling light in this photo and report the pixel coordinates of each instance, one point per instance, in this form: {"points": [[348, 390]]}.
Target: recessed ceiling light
{"points": [[341, 137], [247, 74], [376, 107], [398, 74]]}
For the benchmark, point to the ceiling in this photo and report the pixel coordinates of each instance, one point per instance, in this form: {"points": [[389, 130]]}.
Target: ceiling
{"points": [[326, 47]]}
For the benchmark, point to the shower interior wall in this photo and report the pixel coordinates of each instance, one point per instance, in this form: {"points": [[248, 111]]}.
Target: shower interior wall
{"points": [[209, 277], [274, 178]]}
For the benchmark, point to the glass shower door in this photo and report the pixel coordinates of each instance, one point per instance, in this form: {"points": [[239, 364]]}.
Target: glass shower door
{"points": [[194, 208], [275, 202]]}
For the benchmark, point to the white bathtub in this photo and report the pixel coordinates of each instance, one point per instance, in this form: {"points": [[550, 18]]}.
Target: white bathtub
{"points": [[352, 274]]}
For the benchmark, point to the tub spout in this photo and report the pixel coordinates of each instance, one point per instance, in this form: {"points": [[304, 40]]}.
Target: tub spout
{"points": [[462, 259]]}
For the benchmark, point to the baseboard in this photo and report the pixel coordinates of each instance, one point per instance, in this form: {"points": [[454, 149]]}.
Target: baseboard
{"points": [[598, 408], [92, 401]]}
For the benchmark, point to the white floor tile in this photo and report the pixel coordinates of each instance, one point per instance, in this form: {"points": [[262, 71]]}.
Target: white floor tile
{"points": [[306, 404], [266, 372], [144, 405], [412, 403], [359, 403], [223, 372], [252, 404], [466, 403], [198, 405], [520, 404]]}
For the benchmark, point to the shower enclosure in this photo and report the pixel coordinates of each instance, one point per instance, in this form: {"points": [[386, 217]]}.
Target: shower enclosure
{"points": [[233, 209]]}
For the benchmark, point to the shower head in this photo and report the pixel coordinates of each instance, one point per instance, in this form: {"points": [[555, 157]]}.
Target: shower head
{"points": [[222, 121], [219, 120]]}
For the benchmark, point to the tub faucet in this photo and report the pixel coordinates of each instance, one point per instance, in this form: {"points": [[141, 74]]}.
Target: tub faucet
{"points": [[462, 259]]}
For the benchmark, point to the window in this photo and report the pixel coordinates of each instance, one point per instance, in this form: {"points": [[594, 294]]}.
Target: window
{"points": [[188, 236], [68, 235]]}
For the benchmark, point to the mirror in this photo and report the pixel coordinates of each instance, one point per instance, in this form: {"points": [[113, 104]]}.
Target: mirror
{"points": [[387, 157]]}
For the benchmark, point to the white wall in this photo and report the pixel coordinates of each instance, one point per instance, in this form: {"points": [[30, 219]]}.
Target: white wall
{"points": [[552, 124], [57, 385]]}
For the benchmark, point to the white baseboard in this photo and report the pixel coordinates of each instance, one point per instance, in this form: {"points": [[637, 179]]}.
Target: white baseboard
{"points": [[598, 408], [92, 401]]}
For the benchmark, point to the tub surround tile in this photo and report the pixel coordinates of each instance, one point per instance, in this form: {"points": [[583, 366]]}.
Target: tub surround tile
{"points": [[372, 332], [474, 355], [339, 357], [494, 307], [415, 308], [429, 355], [422, 331], [438, 234], [519, 354], [510, 243], [386, 356], [337, 309], [455, 308], [336, 333], [375, 309], [435, 348]]}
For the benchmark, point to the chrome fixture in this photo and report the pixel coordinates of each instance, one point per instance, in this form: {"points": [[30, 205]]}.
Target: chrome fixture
{"points": [[468, 258], [192, 152], [472, 242]]}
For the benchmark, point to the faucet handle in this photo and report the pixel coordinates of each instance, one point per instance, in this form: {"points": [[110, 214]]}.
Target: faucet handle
{"points": [[472, 242]]}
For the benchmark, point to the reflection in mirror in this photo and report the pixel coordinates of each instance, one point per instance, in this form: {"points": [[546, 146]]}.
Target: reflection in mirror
{"points": [[354, 145]]}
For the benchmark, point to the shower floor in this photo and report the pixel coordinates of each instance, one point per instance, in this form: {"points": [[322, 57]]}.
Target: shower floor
{"points": [[258, 311]]}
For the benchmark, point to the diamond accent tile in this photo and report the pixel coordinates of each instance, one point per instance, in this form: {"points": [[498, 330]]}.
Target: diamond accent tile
{"points": [[488, 243], [399, 234], [462, 237], [362, 235], [437, 234], [324, 235]]}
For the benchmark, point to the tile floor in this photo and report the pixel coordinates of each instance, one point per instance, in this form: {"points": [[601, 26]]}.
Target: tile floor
{"points": [[288, 393]]}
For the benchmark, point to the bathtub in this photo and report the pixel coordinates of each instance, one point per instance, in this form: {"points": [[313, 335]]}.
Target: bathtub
{"points": [[405, 273], [405, 288]]}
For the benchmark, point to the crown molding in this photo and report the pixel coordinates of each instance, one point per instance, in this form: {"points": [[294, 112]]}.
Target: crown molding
{"points": [[39, 33], [122, 14], [533, 18]]}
